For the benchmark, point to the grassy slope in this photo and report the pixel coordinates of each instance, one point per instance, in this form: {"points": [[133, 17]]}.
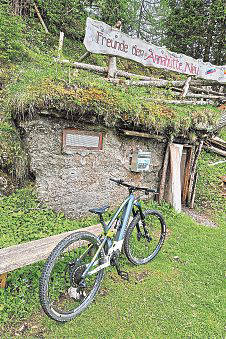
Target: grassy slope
{"points": [[22, 219], [176, 298], [46, 85], [38, 83]]}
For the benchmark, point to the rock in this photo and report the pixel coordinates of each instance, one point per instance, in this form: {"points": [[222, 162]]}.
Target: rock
{"points": [[176, 258]]}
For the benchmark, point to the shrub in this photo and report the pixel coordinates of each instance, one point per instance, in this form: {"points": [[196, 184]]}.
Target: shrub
{"points": [[11, 36]]}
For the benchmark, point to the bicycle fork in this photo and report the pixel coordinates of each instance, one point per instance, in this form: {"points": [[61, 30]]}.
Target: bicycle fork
{"points": [[142, 216]]}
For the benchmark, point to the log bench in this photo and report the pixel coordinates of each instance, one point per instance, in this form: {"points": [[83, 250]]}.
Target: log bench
{"points": [[17, 256]]}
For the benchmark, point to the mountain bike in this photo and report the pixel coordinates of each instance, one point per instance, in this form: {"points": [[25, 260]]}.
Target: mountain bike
{"points": [[74, 270]]}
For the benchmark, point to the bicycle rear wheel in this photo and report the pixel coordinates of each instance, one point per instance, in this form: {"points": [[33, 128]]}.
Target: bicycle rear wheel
{"points": [[140, 246], [61, 295]]}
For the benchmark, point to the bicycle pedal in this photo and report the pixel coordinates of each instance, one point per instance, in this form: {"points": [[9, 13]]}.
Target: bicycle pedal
{"points": [[124, 275]]}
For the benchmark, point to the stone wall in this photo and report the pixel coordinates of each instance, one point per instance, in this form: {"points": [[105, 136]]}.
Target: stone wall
{"points": [[73, 183]]}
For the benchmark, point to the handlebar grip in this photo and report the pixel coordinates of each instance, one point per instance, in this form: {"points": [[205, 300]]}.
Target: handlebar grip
{"points": [[150, 190], [134, 188], [119, 181]]}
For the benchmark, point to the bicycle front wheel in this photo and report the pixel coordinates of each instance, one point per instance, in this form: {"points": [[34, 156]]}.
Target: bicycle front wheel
{"points": [[62, 295], [141, 243]]}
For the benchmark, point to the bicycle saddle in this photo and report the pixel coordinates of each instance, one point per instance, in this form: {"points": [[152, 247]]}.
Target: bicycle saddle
{"points": [[99, 210]]}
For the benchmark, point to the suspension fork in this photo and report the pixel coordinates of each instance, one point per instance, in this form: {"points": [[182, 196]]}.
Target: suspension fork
{"points": [[139, 234], [142, 216]]}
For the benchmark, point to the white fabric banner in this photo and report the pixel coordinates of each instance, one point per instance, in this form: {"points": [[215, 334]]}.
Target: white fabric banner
{"points": [[104, 39]]}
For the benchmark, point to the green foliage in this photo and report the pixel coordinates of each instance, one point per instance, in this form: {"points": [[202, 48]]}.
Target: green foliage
{"points": [[11, 36], [150, 25], [52, 86], [123, 10], [21, 295], [67, 16], [191, 115], [196, 28], [13, 158], [181, 292], [23, 218], [209, 192], [222, 134]]}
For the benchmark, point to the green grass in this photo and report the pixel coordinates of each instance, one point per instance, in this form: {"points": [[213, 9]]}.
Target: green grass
{"points": [[23, 218], [46, 85], [180, 294], [209, 193]]}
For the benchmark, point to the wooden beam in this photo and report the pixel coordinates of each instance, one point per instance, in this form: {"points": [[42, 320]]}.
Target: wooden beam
{"points": [[159, 83], [80, 65], [143, 135], [194, 191], [153, 81], [112, 68], [208, 91], [84, 56], [215, 150], [40, 18], [3, 277], [218, 141], [17, 256], [186, 176], [186, 87], [163, 175], [201, 96], [61, 41], [129, 75], [179, 102], [193, 171], [103, 70], [175, 164], [217, 163]]}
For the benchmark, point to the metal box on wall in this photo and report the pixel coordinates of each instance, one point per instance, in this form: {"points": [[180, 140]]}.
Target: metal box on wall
{"points": [[140, 161]]}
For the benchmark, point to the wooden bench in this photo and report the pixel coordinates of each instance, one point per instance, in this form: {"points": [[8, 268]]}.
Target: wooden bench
{"points": [[17, 256]]}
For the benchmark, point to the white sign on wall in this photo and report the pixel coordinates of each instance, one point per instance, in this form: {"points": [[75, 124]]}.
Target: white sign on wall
{"points": [[104, 39]]}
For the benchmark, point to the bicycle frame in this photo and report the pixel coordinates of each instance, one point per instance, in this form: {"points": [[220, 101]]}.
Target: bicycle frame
{"points": [[127, 207]]}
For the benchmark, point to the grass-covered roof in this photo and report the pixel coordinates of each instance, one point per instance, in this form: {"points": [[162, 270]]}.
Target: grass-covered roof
{"points": [[46, 85]]}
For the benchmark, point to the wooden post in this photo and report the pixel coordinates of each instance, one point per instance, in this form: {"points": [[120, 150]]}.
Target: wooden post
{"points": [[84, 56], [164, 170], [61, 41], [40, 18], [3, 277], [187, 172], [197, 153], [194, 190], [175, 163], [186, 87], [112, 68]]}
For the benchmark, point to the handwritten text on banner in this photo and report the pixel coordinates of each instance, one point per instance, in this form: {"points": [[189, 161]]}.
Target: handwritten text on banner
{"points": [[104, 39]]}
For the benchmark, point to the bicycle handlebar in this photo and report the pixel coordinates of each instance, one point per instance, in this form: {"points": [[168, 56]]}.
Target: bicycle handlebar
{"points": [[134, 188]]}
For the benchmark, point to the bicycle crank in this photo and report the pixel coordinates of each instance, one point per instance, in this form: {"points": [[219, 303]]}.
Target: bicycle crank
{"points": [[115, 262]]}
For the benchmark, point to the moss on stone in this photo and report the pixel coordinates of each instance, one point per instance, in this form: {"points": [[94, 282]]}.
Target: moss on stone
{"points": [[81, 93]]}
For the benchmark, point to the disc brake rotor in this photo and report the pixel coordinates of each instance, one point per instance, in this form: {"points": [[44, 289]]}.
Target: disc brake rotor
{"points": [[76, 273]]}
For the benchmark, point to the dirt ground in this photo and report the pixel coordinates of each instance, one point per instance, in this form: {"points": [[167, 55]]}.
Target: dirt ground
{"points": [[199, 217]]}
